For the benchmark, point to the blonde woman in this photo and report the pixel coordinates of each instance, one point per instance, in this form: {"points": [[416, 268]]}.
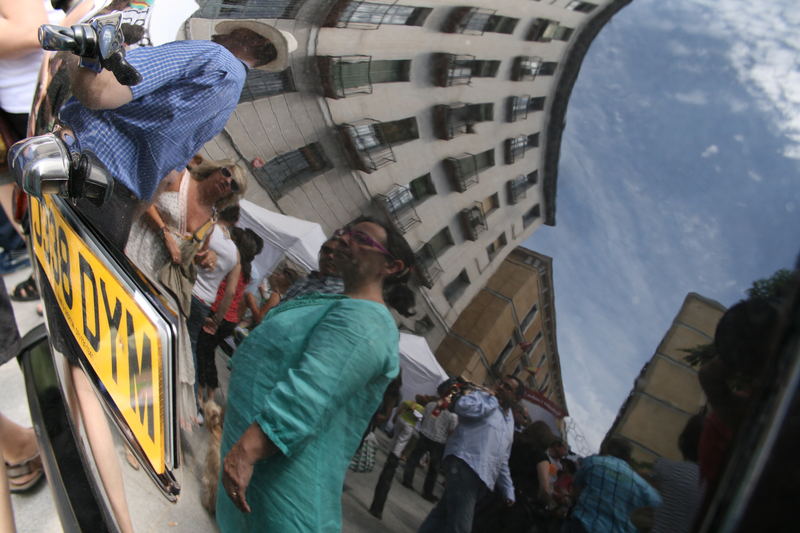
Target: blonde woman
{"points": [[187, 202]]}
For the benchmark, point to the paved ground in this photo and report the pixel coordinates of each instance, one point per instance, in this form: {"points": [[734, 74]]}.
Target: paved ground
{"points": [[35, 512]]}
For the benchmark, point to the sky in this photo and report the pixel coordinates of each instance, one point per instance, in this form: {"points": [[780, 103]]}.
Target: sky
{"points": [[680, 172]]}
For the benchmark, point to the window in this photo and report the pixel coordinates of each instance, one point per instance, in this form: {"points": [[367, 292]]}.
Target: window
{"points": [[545, 30], [451, 69], [583, 7], [491, 203], [496, 245], [243, 9], [422, 187], [485, 68], [528, 67], [517, 189], [455, 119], [473, 221], [291, 169], [464, 170], [454, 289], [371, 15], [531, 216], [520, 106], [370, 142], [517, 146], [504, 353], [528, 320], [398, 204], [260, 84], [475, 21], [441, 242], [343, 76]]}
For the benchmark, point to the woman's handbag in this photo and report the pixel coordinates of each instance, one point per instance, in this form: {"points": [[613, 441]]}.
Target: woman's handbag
{"points": [[179, 278], [364, 459]]}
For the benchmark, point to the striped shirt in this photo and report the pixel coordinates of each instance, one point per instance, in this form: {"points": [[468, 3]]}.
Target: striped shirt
{"points": [[188, 91]]}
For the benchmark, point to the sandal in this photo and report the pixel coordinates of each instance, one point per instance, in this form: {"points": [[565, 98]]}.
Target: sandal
{"points": [[24, 475], [26, 291]]}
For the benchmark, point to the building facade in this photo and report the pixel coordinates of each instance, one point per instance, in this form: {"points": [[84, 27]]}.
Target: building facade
{"points": [[509, 327], [444, 118], [667, 391]]}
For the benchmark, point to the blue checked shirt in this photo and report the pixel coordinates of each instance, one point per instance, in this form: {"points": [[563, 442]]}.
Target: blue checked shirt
{"points": [[315, 282], [483, 439], [609, 491], [188, 91]]}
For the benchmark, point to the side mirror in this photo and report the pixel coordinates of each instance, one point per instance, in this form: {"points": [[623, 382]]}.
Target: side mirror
{"points": [[44, 165]]}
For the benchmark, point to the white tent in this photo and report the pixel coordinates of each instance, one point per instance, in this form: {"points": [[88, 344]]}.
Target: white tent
{"points": [[297, 239], [421, 371]]}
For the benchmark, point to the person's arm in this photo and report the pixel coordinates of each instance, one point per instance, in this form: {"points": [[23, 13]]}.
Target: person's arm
{"points": [[231, 281], [96, 90], [545, 494], [475, 405], [505, 484], [19, 27], [274, 300], [338, 361], [165, 233]]}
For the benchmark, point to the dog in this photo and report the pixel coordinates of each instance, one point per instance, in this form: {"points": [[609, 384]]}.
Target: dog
{"points": [[214, 416]]}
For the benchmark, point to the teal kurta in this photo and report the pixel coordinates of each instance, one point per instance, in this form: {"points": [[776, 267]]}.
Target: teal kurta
{"points": [[311, 375]]}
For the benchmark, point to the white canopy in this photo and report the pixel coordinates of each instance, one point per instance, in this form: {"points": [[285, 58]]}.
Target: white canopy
{"points": [[421, 371], [297, 239]]}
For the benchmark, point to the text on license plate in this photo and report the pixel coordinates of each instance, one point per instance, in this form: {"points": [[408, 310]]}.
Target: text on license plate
{"points": [[120, 342]]}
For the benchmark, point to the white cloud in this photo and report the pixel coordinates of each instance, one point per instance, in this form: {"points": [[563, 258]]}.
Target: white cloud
{"points": [[739, 138], [755, 176], [711, 150], [765, 53], [696, 97]]}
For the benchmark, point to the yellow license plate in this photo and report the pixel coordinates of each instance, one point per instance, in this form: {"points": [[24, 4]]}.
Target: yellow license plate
{"points": [[118, 338]]}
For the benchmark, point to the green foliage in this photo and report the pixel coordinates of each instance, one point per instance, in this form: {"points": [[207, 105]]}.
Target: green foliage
{"points": [[772, 287], [700, 354]]}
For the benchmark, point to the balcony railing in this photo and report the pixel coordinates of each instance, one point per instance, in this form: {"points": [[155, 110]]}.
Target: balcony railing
{"points": [[451, 69], [358, 14], [463, 171], [456, 119], [518, 188], [428, 269], [473, 221], [343, 76], [364, 143], [398, 204], [468, 20], [515, 148], [526, 68]]}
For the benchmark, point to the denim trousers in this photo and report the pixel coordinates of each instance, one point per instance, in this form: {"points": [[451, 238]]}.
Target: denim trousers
{"points": [[456, 509], [197, 316]]}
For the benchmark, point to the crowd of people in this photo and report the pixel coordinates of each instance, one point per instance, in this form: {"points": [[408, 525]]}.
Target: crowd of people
{"points": [[318, 353]]}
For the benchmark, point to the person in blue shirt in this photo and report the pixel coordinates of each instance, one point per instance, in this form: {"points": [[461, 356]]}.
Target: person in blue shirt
{"points": [[476, 456], [609, 490], [188, 90]]}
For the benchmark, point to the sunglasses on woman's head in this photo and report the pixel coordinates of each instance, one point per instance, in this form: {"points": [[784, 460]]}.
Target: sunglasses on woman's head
{"points": [[362, 239]]}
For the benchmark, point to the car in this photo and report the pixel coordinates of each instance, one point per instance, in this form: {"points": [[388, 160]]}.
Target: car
{"points": [[102, 373]]}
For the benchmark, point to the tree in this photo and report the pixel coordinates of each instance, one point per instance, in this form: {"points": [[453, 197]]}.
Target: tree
{"points": [[700, 354], [773, 287]]}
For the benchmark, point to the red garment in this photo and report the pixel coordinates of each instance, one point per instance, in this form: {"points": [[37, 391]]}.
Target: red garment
{"points": [[715, 441], [233, 310]]}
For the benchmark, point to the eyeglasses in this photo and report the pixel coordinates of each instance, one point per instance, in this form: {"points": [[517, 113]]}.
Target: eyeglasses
{"points": [[362, 239], [226, 173]]}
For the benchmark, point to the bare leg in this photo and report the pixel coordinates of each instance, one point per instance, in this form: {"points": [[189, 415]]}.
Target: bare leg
{"points": [[16, 442], [6, 511], [102, 444]]}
